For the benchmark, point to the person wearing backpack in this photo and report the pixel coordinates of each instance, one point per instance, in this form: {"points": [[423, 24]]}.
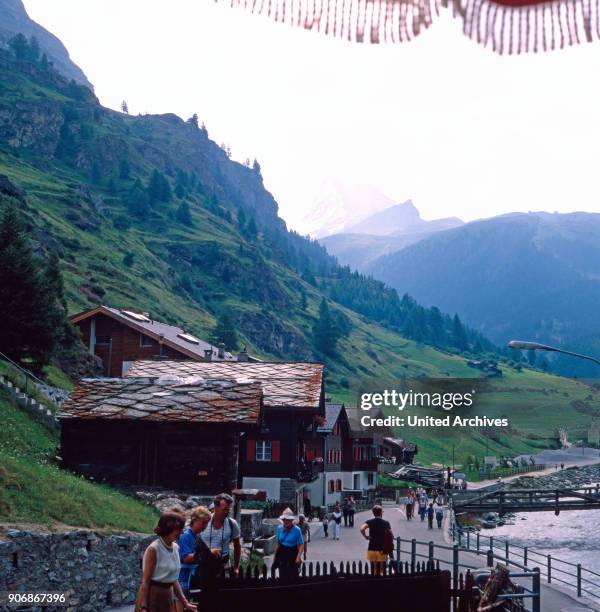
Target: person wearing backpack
{"points": [[380, 538], [221, 532]]}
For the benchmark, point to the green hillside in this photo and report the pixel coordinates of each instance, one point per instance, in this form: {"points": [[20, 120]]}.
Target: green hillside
{"points": [[34, 490], [147, 212]]}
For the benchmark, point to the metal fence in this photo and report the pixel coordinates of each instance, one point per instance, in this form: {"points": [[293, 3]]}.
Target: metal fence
{"points": [[416, 550], [552, 569]]}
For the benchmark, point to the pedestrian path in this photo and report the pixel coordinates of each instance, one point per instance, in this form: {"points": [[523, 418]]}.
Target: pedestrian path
{"points": [[352, 547]]}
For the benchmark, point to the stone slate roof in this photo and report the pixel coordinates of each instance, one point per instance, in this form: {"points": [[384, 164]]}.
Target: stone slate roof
{"points": [[161, 332], [297, 385], [153, 399]]}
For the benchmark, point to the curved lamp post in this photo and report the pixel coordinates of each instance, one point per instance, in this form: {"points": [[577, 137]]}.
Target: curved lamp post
{"points": [[536, 346]]}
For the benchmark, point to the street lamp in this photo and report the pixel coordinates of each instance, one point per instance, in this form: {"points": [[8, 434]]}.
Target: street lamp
{"points": [[536, 346]]}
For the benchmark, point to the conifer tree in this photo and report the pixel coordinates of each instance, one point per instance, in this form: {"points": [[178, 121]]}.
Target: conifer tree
{"points": [[225, 331], [459, 335], [137, 201], [183, 214], [251, 229], [19, 47], [28, 307], [325, 332], [125, 107]]}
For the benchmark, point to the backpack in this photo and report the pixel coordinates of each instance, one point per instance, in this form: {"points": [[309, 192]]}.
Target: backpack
{"points": [[388, 542]]}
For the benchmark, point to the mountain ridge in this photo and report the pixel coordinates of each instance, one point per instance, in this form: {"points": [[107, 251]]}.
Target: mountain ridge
{"points": [[530, 275], [14, 20]]}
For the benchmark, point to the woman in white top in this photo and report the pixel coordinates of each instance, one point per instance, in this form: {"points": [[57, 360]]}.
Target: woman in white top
{"points": [[336, 515], [161, 567]]}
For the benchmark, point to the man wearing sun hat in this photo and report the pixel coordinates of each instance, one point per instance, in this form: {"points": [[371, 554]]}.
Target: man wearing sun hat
{"points": [[289, 546]]}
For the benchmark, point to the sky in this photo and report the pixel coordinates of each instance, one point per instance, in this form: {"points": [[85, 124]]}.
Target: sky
{"points": [[441, 121]]}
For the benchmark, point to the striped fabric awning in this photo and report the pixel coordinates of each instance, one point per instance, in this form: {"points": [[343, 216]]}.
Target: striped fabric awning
{"points": [[505, 26]]}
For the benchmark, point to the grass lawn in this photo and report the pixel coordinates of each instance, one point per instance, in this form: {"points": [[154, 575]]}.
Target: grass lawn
{"points": [[34, 490]]}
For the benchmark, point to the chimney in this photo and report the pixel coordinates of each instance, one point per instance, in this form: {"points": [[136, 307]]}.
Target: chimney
{"points": [[221, 351], [243, 354], [208, 354]]}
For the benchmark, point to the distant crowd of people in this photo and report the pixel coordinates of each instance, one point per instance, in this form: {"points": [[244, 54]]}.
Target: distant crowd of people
{"points": [[430, 506]]}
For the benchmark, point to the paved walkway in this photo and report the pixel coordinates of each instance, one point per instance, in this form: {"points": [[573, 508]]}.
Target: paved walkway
{"points": [[352, 546]]}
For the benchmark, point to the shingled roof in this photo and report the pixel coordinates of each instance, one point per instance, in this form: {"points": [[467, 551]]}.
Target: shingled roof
{"points": [[284, 384], [172, 336], [153, 399]]}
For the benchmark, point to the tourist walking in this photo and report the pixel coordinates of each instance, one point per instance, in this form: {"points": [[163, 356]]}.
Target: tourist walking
{"points": [[345, 511], [326, 525], [336, 517], [193, 552], [289, 547], [380, 538], [439, 516], [160, 569], [305, 529], [221, 532], [351, 511], [422, 506], [410, 504], [430, 513]]}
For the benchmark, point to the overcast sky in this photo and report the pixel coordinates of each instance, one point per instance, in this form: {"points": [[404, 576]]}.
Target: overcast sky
{"points": [[441, 120]]}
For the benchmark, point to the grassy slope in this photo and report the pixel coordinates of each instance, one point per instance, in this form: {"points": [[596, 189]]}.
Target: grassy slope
{"points": [[34, 490], [93, 261]]}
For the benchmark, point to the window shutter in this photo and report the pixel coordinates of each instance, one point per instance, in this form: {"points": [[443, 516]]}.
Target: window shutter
{"points": [[276, 451], [250, 450], [356, 453], [310, 454]]}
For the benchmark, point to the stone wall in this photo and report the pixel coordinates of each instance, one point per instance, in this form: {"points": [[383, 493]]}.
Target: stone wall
{"points": [[98, 571]]}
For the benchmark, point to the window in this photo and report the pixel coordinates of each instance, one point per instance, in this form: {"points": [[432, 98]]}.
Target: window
{"points": [[136, 316], [338, 485], [370, 478], [145, 341], [102, 340], [330, 486], [188, 338], [263, 450]]}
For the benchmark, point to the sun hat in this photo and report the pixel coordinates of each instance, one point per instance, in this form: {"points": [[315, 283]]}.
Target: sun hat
{"points": [[287, 515]]}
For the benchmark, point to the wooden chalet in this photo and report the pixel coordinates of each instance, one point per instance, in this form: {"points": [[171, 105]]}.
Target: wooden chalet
{"points": [[285, 455], [119, 337], [149, 431]]}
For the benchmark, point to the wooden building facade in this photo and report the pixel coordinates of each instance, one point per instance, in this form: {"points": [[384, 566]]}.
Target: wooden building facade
{"points": [[141, 432], [284, 455], [120, 337]]}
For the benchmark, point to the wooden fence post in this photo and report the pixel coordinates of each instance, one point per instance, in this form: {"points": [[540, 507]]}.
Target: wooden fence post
{"points": [[536, 588], [413, 554]]}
